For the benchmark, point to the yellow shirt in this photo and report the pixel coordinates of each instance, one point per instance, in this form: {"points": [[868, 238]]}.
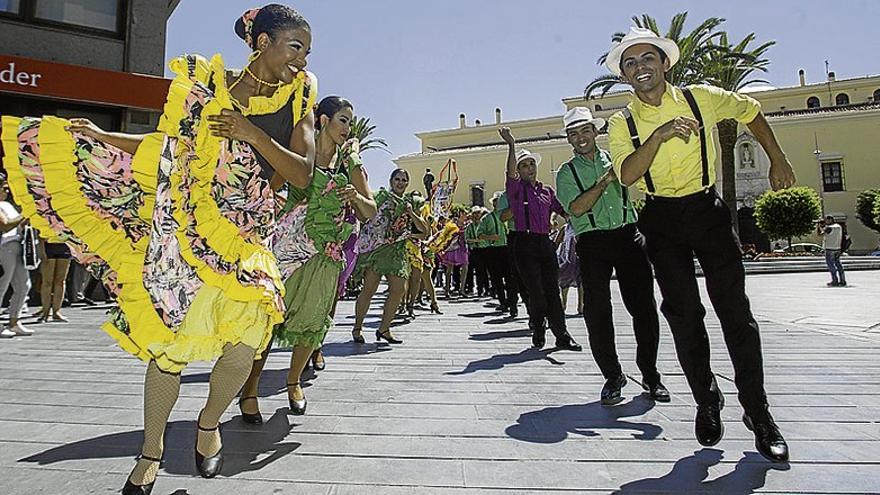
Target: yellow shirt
{"points": [[677, 169]]}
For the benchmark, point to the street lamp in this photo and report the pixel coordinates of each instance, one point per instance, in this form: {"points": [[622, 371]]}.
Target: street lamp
{"points": [[818, 153]]}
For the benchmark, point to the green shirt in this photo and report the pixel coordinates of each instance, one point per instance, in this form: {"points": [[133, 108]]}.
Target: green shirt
{"points": [[471, 233], [503, 204], [612, 210], [492, 225]]}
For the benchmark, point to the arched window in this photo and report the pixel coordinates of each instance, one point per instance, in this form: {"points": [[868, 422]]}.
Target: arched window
{"points": [[877, 96], [841, 99], [813, 102]]}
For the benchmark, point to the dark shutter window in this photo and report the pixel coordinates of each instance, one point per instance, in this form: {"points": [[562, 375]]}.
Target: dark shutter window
{"points": [[832, 176]]}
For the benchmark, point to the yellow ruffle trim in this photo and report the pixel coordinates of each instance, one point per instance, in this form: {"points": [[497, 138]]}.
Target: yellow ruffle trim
{"points": [[16, 179], [126, 259], [212, 321]]}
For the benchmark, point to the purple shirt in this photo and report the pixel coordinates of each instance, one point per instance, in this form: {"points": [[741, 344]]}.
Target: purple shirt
{"points": [[531, 206]]}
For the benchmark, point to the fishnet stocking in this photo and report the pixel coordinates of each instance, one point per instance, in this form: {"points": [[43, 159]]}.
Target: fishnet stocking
{"points": [[161, 390], [227, 377]]}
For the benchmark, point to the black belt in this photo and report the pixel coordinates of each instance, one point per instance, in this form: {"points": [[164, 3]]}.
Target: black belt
{"points": [[709, 192]]}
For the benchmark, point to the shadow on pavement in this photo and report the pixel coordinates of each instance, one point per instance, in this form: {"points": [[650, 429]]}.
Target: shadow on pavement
{"points": [[689, 476], [499, 361], [343, 349], [481, 314], [499, 321], [555, 424], [242, 446], [482, 337]]}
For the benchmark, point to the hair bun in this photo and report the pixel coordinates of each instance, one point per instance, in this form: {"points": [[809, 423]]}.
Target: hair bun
{"points": [[240, 29], [244, 26]]}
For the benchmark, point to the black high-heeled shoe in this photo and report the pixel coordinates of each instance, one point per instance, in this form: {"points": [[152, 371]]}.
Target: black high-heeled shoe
{"points": [[435, 308], [357, 336], [297, 407], [316, 364], [208, 467], [132, 489], [249, 418], [387, 337], [410, 311]]}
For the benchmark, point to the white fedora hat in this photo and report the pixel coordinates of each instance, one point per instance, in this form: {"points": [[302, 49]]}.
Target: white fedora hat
{"points": [[525, 154], [579, 116], [639, 36]]}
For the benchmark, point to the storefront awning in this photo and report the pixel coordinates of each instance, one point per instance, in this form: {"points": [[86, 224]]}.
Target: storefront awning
{"points": [[81, 84]]}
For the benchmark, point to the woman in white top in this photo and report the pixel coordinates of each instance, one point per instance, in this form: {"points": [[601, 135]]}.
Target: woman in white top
{"points": [[13, 265]]}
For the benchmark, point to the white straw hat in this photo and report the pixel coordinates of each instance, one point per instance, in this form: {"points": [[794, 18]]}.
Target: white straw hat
{"points": [[579, 116], [525, 154], [639, 36]]}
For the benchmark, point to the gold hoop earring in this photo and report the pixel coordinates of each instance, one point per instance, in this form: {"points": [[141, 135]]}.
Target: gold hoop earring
{"points": [[255, 55]]}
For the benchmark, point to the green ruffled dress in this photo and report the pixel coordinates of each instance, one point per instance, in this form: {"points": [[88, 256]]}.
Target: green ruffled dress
{"points": [[308, 245]]}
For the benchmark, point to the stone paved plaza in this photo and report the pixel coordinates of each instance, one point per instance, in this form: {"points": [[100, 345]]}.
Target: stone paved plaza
{"points": [[464, 406]]}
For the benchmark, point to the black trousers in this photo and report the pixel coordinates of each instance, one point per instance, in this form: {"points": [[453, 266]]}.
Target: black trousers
{"points": [[498, 263], [535, 259], [478, 273], [514, 281], [621, 251], [699, 225]]}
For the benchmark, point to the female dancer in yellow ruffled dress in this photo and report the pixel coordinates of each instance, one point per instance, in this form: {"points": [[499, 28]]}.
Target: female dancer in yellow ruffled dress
{"points": [[177, 223]]}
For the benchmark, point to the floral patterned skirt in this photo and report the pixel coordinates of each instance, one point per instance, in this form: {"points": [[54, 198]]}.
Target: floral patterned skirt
{"points": [[174, 243]]}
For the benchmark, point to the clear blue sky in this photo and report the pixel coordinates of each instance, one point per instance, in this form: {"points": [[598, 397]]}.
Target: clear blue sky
{"points": [[414, 65]]}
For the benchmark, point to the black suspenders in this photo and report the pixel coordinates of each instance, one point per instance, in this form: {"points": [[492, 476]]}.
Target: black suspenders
{"points": [[634, 135], [699, 116], [580, 185]]}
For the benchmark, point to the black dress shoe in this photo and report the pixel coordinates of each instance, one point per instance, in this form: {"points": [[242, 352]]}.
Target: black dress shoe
{"points": [[297, 407], [131, 489], [538, 339], [569, 344], [658, 392], [611, 391], [514, 312], [768, 440], [708, 426], [208, 467], [249, 418]]}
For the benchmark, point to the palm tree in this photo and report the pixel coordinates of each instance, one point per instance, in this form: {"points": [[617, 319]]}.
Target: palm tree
{"points": [[694, 48], [363, 131], [731, 68]]}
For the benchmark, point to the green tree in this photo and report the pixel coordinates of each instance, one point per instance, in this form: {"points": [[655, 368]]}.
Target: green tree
{"points": [[877, 210], [363, 131], [865, 205], [788, 213]]}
